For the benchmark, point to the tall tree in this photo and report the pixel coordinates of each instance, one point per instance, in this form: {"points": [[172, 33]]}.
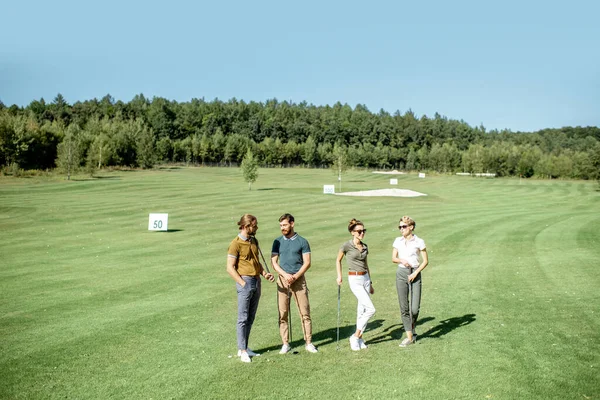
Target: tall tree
{"points": [[412, 160], [161, 117], [146, 149], [309, 151], [595, 160], [69, 151], [340, 162], [17, 134], [8, 148], [204, 148], [249, 168], [61, 109]]}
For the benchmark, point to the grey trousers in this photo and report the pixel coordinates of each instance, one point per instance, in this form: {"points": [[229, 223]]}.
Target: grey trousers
{"points": [[415, 303], [248, 297]]}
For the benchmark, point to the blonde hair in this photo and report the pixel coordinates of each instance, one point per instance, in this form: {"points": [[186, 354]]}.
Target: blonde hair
{"points": [[246, 220], [408, 221], [352, 224]]}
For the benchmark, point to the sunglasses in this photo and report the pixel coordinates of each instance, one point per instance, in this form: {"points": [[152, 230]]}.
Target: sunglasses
{"points": [[402, 226], [360, 232]]}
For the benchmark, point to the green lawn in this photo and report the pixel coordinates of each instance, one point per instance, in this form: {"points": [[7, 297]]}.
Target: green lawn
{"points": [[93, 305]]}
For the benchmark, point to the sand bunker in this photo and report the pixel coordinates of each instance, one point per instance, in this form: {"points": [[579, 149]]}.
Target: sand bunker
{"points": [[384, 192], [394, 172]]}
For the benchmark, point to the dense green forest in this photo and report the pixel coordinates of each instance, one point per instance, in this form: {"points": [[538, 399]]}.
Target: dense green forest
{"points": [[143, 132]]}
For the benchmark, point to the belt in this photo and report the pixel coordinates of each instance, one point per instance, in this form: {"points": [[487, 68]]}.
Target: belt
{"points": [[357, 273]]}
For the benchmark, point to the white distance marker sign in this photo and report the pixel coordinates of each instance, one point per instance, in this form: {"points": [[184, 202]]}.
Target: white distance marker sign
{"points": [[393, 181], [329, 189], [158, 222]]}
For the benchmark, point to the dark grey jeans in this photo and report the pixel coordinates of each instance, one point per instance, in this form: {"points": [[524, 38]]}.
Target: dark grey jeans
{"points": [[248, 297], [402, 289]]}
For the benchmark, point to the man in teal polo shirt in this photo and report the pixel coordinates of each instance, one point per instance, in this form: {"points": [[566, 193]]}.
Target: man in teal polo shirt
{"points": [[290, 256]]}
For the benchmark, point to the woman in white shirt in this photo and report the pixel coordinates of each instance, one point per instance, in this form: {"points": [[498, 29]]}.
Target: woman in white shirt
{"points": [[410, 254]]}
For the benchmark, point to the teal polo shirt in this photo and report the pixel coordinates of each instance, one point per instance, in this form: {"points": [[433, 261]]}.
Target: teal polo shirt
{"points": [[290, 252]]}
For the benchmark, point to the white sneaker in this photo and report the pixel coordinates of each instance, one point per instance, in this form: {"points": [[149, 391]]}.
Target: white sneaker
{"points": [[285, 349], [311, 348], [250, 353], [361, 344], [244, 357], [406, 342], [354, 343]]}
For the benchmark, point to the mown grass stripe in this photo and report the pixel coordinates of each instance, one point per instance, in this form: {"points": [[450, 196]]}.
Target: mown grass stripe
{"points": [[92, 305]]}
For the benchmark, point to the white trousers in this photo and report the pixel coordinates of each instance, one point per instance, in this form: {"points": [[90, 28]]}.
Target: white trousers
{"points": [[361, 287]]}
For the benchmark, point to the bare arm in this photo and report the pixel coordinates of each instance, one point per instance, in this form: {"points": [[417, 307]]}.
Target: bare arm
{"points": [[338, 266], [424, 262], [397, 260], [275, 264], [371, 289], [285, 277], [231, 261], [305, 266], [267, 275]]}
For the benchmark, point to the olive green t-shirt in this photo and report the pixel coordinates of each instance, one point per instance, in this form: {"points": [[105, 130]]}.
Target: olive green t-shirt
{"points": [[246, 253], [356, 259]]}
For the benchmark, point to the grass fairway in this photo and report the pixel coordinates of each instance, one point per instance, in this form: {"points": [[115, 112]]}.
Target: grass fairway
{"points": [[93, 305]]}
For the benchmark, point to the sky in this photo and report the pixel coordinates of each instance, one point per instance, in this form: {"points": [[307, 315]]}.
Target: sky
{"points": [[518, 65]]}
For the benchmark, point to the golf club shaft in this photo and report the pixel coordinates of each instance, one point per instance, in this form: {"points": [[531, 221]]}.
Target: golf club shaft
{"points": [[338, 317], [261, 255], [410, 299], [289, 315]]}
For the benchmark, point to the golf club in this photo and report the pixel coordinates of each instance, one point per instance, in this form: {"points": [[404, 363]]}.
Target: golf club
{"points": [[261, 255], [410, 301], [269, 271], [290, 319], [338, 318]]}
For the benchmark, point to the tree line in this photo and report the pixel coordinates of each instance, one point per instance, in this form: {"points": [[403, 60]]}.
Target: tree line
{"points": [[101, 133]]}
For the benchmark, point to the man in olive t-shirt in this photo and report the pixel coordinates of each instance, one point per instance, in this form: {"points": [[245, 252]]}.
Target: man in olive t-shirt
{"points": [[244, 267]]}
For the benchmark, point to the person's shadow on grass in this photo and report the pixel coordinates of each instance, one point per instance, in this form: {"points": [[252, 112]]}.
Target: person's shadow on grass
{"points": [[321, 338], [448, 325], [329, 336], [394, 332]]}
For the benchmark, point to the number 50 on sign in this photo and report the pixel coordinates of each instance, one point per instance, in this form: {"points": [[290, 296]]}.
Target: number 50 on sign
{"points": [[158, 222]]}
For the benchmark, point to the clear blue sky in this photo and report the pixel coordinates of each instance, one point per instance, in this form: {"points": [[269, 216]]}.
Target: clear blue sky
{"points": [[521, 65]]}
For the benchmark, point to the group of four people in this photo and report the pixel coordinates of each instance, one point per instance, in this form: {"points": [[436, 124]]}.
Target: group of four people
{"points": [[290, 257]]}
